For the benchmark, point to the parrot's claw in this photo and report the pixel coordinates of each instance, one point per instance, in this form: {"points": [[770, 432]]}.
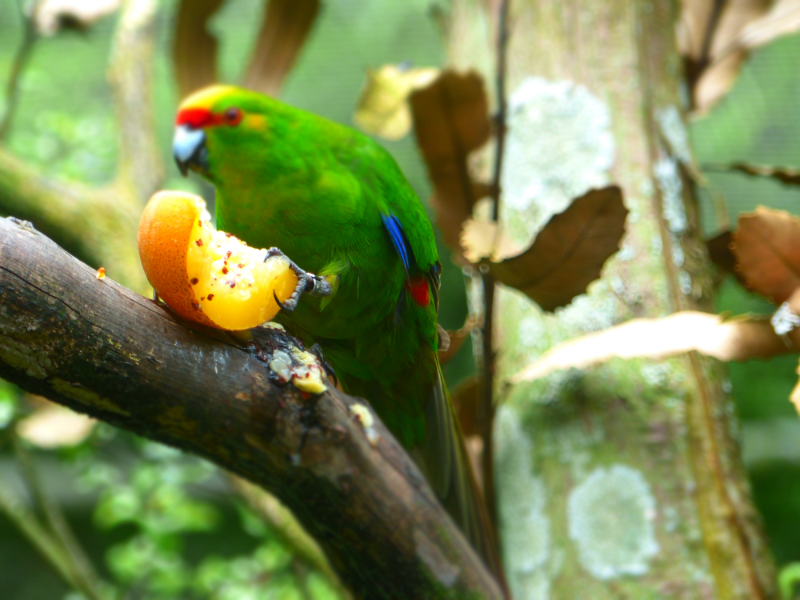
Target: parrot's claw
{"points": [[307, 283], [316, 350], [287, 306]]}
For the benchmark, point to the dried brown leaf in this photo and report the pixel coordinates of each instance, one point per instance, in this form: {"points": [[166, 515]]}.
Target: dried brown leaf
{"points": [[451, 120], [457, 339], [286, 26], [693, 26], [53, 426], [782, 19], [465, 398], [478, 239], [716, 81], [711, 41], [738, 339], [451, 208], [720, 251], [767, 249], [194, 49], [786, 175], [727, 53], [795, 395], [382, 107], [715, 38], [51, 16], [485, 239], [569, 253]]}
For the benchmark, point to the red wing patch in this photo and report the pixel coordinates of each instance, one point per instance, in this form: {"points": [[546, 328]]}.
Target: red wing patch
{"points": [[418, 288]]}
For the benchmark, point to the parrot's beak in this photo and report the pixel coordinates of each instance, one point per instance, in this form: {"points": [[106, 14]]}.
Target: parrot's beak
{"points": [[189, 149]]}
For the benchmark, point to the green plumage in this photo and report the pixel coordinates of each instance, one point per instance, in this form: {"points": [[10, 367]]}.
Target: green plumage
{"points": [[320, 192]]}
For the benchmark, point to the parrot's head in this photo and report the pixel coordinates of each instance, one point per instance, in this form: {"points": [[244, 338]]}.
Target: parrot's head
{"points": [[219, 126]]}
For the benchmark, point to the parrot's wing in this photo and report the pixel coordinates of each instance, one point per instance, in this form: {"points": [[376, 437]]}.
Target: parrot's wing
{"points": [[410, 228], [442, 453], [399, 239], [445, 458], [397, 235]]}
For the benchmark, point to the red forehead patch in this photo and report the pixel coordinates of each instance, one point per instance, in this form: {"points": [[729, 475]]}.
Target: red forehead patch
{"points": [[197, 118]]}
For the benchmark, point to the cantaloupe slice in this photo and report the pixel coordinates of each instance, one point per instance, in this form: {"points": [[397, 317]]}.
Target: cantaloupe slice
{"points": [[204, 275]]}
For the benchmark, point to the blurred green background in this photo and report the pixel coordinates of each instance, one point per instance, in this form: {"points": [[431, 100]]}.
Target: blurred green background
{"points": [[167, 526]]}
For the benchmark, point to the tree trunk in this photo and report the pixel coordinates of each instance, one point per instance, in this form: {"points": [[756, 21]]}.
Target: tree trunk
{"points": [[623, 480]]}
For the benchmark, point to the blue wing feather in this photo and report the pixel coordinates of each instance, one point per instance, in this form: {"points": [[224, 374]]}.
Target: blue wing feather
{"points": [[399, 239]]}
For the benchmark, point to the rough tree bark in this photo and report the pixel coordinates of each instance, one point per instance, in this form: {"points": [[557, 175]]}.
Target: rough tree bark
{"points": [[623, 480], [100, 349]]}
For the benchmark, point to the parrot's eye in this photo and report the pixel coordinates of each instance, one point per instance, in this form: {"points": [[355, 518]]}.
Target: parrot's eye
{"points": [[232, 116]]}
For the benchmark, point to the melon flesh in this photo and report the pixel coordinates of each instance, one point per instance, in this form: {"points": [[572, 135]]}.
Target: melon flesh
{"points": [[232, 282]]}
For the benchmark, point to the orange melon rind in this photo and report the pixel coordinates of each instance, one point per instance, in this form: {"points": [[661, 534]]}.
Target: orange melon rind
{"points": [[208, 276]]}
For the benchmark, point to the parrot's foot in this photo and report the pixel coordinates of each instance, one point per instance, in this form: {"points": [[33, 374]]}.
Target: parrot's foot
{"points": [[316, 350], [307, 283]]}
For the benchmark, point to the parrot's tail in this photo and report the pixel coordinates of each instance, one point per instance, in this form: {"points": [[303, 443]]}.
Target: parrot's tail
{"points": [[443, 456]]}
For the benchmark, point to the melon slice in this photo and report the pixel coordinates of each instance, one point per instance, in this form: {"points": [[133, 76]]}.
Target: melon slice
{"points": [[208, 276]]}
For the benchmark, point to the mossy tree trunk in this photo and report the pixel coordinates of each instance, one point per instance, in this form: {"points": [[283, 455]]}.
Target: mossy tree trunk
{"points": [[623, 480]]}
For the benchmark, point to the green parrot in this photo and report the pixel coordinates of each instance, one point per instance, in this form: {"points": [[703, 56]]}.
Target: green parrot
{"points": [[338, 205]]}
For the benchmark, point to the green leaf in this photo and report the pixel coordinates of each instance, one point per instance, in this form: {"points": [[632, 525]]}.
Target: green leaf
{"points": [[788, 579], [9, 398]]}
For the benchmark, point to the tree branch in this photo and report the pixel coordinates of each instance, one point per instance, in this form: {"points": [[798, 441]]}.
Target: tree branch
{"points": [[130, 74], [486, 404], [28, 525], [99, 225], [29, 37], [286, 528], [100, 349], [81, 568]]}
